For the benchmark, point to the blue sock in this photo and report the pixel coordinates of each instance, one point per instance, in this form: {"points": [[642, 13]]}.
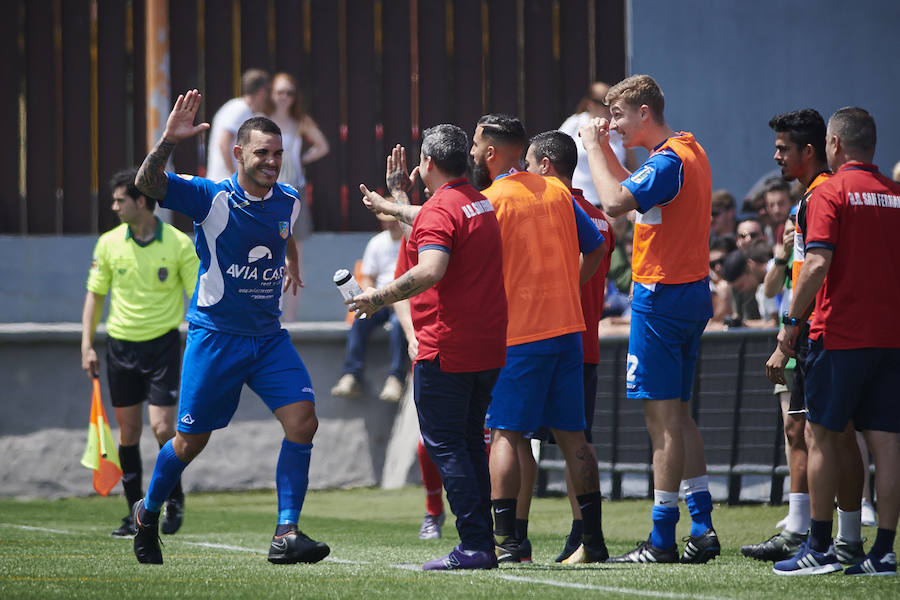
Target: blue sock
{"points": [[166, 475], [820, 535], [664, 520], [884, 542], [292, 480], [700, 506]]}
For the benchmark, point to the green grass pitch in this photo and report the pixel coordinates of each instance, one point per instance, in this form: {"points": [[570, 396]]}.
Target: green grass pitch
{"points": [[62, 549]]}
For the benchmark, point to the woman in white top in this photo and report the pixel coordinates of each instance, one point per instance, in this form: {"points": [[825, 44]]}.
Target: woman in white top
{"points": [[303, 143]]}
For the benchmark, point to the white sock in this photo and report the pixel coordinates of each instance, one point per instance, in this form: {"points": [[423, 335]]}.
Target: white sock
{"points": [[695, 484], [850, 525], [798, 513], [661, 498]]}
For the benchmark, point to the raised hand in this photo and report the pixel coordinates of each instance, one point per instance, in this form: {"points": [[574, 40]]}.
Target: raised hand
{"points": [[180, 124], [396, 176], [594, 133]]}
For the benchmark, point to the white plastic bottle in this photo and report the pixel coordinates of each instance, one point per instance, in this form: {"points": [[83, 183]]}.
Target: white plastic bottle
{"points": [[346, 284]]}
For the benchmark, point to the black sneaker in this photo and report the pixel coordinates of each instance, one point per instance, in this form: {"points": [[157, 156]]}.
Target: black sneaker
{"points": [[567, 551], [781, 546], [508, 550], [173, 515], [584, 554], [699, 549], [127, 530], [296, 547], [525, 551], [648, 553], [146, 538]]}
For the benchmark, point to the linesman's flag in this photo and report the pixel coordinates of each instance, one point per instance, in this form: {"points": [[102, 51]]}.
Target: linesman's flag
{"points": [[101, 453]]}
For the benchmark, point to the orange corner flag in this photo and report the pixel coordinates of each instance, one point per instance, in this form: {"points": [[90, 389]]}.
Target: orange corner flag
{"points": [[101, 453]]}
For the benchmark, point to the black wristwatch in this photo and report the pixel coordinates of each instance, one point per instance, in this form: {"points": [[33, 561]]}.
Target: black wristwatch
{"points": [[781, 262], [792, 321]]}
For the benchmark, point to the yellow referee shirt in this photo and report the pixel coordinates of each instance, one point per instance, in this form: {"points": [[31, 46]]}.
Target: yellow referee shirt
{"points": [[144, 282]]}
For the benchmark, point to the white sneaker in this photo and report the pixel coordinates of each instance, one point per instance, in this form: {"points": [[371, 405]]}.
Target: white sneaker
{"points": [[869, 518], [348, 386], [392, 390]]}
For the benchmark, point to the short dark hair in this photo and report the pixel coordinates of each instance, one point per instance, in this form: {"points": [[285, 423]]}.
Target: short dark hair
{"points": [[855, 127], [759, 252], [263, 124], [776, 184], [254, 80], [804, 126], [448, 146], [559, 148], [726, 243], [734, 266], [504, 129], [125, 178], [722, 200]]}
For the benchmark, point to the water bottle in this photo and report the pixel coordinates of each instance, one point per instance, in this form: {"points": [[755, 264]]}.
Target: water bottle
{"points": [[346, 284]]}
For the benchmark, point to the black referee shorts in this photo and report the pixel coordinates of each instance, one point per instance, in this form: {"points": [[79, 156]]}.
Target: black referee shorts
{"points": [[149, 370], [797, 404]]}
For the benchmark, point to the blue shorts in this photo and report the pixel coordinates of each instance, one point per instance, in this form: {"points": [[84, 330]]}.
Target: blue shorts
{"points": [[662, 354], [859, 384], [217, 365], [590, 403], [541, 384]]}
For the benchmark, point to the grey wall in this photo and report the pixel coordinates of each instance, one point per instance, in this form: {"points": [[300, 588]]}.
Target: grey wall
{"points": [[42, 277], [726, 67]]}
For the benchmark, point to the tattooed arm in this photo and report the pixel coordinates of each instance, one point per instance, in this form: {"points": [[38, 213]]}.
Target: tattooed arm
{"points": [[151, 178], [400, 181], [405, 213], [431, 268]]}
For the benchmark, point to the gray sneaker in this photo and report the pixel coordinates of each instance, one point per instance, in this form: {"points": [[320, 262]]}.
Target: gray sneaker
{"points": [[780, 546], [431, 527], [849, 553]]}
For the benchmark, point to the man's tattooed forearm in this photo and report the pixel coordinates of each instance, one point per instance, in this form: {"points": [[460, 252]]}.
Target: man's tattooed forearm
{"points": [[151, 178]]}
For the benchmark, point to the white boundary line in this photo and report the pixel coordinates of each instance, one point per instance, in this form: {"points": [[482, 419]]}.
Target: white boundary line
{"points": [[410, 567]]}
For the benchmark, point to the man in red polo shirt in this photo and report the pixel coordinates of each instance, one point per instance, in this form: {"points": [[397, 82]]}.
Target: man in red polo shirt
{"points": [[852, 271], [459, 311]]}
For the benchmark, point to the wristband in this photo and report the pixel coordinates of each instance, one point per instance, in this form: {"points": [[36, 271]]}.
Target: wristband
{"points": [[781, 262], [792, 321]]}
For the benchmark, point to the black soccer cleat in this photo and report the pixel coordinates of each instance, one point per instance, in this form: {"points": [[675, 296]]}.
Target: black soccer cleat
{"points": [[146, 537], [700, 549], [648, 553], [296, 547], [567, 551], [127, 530], [507, 550], [173, 515], [781, 546]]}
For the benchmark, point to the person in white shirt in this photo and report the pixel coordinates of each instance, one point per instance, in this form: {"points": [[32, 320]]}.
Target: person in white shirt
{"points": [[254, 99]]}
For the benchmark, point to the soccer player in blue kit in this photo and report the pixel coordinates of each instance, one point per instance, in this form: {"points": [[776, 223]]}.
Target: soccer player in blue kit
{"points": [[243, 239]]}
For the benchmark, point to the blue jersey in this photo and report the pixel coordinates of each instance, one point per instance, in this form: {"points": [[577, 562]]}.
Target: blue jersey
{"points": [[241, 241]]}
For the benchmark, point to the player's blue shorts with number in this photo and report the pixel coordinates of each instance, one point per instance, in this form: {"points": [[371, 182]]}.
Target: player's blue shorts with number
{"points": [[218, 364], [541, 384], [662, 354], [859, 384]]}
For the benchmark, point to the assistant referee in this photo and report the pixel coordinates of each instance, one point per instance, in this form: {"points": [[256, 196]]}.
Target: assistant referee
{"points": [[146, 266]]}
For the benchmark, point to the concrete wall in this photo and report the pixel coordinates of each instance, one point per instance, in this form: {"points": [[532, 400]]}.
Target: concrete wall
{"points": [[727, 67]]}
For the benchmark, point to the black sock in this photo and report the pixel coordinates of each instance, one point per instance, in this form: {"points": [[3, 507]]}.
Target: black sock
{"points": [[884, 542], [589, 504], [504, 517], [284, 528], [819, 535], [575, 532], [521, 529], [130, 458]]}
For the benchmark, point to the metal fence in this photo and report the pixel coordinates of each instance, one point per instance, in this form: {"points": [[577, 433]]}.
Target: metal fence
{"points": [[374, 73], [732, 403]]}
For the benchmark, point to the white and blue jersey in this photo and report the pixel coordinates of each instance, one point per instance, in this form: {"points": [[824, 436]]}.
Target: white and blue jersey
{"points": [[241, 241]]}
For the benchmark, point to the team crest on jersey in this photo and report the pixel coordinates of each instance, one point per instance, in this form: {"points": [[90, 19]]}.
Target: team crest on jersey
{"points": [[163, 273], [283, 229]]}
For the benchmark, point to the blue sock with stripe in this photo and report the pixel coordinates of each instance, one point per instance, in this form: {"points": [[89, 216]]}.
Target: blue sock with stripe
{"points": [[292, 480], [166, 475]]}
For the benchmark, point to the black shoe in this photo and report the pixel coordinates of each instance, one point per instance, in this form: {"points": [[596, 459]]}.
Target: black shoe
{"points": [[146, 538], [648, 553], [127, 530], [781, 546], [507, 550], [173, 515], [567, 551], [525, 551], [700, 549], [585, 554], [296, 547]]}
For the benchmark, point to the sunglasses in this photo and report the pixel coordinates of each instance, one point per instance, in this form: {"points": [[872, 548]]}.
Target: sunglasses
{"points": [[749, 236], [716, 263]]}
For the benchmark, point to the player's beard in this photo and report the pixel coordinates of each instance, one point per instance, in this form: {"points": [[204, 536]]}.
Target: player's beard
{"points": [[480, 176]]}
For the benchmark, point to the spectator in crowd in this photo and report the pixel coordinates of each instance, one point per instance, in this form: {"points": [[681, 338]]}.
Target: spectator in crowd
{"points": [[749, 232], [723, 300], [895, 174], [617, 302], [456, 291], [254, 100], [777, 196], [377, 270], [723, 221], [590, 106], [851, 273], [550, 248], [745, 271], [146, 267], [304, 143], [672, 193]]}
